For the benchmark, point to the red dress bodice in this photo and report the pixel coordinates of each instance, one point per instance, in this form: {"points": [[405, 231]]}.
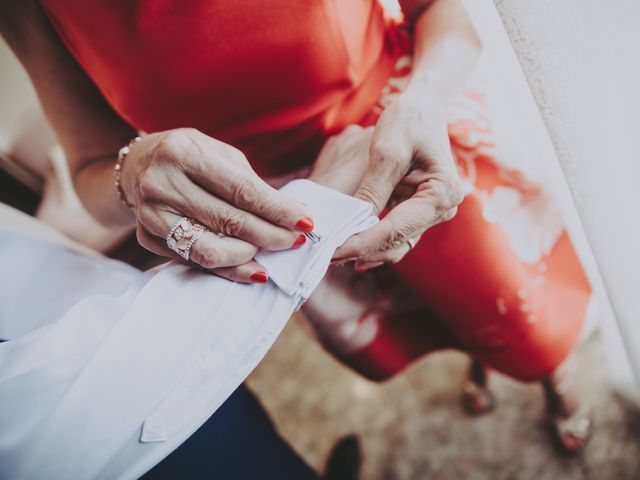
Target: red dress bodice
{"points": [[271, 77]]}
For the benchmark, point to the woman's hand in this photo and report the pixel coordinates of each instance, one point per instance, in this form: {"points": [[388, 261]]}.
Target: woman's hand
{"points": [[411, 169], [410, 158], [343, 160], [183, 172]]}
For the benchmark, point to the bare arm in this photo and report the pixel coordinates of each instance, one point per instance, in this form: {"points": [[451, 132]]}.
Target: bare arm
{"points": [[446, 46], [88, 129]]}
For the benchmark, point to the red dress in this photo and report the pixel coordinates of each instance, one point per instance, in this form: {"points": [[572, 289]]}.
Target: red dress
{"points": [[275, 78]]}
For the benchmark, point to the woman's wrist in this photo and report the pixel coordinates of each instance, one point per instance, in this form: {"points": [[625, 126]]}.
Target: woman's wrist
{"points": [[117, 174], [94, 184], [420, 97], [425, 88]]}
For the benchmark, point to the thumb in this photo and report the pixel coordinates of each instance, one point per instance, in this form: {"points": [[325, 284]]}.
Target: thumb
{"points": [[387, 166]]}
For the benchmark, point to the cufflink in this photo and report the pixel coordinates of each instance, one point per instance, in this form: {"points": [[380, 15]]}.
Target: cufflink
{"points": [[314, 237]]}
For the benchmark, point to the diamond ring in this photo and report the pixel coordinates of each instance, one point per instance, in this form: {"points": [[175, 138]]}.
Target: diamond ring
{"points": [[183, 235]]}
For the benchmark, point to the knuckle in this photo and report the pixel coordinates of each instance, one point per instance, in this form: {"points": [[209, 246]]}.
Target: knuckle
{"points": [[456, 192], [386, 153], [188, 132], [232, 222], [450, 214], [397, 238], [151, 185], [234, 154], [352, 128], [359, 248], [370, 194], [172, 143], [280, 213], [176, 144], [447, 192], [244, 193], [396, 256], [394, 241], [146, 217], [206, 256]]}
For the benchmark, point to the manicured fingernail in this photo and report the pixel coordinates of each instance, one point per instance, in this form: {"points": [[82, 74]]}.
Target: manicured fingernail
{"points": [[299, 241], [305, 225], [259, 277]]}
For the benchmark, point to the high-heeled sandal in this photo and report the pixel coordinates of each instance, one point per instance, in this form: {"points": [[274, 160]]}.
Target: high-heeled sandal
{"points": [[572, 433], [477, 398]]}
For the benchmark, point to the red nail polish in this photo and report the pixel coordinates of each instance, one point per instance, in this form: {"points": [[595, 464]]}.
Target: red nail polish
{"points": [[259, 277], [305, 225], [299, 241]]}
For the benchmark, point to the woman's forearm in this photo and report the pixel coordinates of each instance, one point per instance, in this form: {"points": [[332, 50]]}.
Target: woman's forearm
{"points": [[446, 47], [94, 184], [85, 125]]}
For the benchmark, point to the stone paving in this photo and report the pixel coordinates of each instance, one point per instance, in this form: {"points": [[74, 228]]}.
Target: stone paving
{"points": [[413, 427]]}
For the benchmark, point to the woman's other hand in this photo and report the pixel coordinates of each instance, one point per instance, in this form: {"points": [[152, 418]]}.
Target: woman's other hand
{"points": [[411, 166], [343, 160], [183, 172], [411, 169]]}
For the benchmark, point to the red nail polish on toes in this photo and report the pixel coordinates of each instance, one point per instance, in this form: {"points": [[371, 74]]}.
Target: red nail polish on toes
{"points": [[305, 225], [259, 277], [299, 241]]}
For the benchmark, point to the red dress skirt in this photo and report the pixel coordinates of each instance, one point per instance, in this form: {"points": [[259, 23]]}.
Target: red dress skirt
{"points": [[275, 78]]}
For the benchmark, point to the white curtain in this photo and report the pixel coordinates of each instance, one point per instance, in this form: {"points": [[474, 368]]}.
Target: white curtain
{"points": [[582, 64]]}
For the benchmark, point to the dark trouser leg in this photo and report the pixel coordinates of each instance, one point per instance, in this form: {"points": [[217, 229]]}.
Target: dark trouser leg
{"points": [[237, 442]]}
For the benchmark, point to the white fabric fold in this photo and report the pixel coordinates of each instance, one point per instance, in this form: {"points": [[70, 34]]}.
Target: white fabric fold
{"points": [[336, 217], [108, 369]]}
